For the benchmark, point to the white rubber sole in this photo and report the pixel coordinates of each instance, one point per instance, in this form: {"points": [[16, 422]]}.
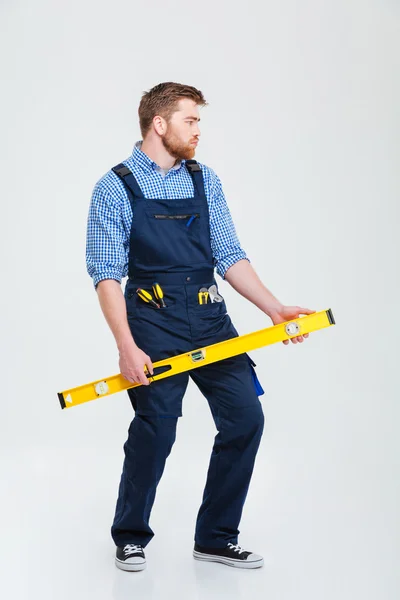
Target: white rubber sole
{"points": [[138, 566], [231, 562]]}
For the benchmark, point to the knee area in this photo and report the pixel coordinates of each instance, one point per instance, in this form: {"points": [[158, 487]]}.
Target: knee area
{"points": [[160, 425], [255, 416], [248, 420], [153, 431]]}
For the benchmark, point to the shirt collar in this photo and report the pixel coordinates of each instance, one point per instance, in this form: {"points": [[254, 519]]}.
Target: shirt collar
{"points": [[147, 163]]}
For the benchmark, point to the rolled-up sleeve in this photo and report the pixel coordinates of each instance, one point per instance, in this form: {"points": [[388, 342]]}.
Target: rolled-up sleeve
{"points": [[106, 244], [225, 244]]}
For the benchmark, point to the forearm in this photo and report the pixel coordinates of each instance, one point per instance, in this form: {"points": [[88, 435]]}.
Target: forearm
{"points": [[113, 305], [243, 278]]}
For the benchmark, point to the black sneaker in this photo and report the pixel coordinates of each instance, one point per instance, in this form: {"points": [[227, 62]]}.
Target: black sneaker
{"points": [[130, 557], [233, 555]]}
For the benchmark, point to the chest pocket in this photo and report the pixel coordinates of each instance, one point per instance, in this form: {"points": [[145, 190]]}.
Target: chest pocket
{"points": [[172, 236]]}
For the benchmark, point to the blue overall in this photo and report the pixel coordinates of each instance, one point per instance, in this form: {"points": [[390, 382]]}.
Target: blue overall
{"points": [[170, 244]]}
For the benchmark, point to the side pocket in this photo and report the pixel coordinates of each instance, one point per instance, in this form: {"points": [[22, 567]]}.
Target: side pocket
{"points": [[257, 384]]}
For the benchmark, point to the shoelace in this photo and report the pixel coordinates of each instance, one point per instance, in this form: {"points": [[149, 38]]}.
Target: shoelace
{"points": [[236, 548], [130, 548]]}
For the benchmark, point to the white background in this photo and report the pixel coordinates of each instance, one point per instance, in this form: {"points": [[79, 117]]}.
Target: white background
{"points": [[302, 127]]}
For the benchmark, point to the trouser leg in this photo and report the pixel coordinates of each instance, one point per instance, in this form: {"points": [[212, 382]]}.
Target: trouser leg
{"points": [[151, 437], [238, 416], [146, 450]]}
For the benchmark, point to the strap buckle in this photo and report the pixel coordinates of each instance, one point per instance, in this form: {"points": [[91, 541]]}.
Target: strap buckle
{"points": [[121, 170], [193, 166]]}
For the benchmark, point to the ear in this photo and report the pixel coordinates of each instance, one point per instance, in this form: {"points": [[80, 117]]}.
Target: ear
{"points": [[160, 124]]}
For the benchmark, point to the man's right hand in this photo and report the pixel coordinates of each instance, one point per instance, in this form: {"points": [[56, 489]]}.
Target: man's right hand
{"points": [[132, 361]]}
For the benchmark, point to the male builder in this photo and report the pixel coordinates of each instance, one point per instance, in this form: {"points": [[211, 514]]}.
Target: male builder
{"points": [[161, 217]]}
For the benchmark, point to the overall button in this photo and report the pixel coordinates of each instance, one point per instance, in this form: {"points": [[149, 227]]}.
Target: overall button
{"points": [[187, 278]]}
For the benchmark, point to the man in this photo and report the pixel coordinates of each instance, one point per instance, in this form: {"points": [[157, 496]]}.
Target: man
{"points": [[161, 217]]}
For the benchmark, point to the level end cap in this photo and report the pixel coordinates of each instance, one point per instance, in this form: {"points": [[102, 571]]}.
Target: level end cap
{"points": [[331, 317], [61, 399]]}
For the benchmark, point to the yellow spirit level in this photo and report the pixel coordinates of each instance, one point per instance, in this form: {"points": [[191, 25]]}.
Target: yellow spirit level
{"points": [[201, 357]]}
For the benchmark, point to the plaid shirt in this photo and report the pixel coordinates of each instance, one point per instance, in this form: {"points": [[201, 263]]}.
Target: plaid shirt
{"points": [[110, 215]]}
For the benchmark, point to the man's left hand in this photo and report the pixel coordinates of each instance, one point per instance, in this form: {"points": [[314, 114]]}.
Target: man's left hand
{"points": [[287, 313]]}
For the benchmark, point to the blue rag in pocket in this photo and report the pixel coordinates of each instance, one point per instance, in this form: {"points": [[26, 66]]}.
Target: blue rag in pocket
{"points": [[257, 384]]}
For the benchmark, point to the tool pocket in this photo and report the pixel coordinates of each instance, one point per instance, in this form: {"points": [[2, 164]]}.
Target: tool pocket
{"points": [[134, 304], [257, 384], [208, 296], [210, 306]]}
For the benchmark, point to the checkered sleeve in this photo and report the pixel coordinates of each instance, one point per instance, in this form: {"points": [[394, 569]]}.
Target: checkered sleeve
{"points": [[106, 244], [225, 244]]}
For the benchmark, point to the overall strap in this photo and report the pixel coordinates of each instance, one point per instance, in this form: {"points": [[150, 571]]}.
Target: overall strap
{"points": [[128, 179], [196, 173]]}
